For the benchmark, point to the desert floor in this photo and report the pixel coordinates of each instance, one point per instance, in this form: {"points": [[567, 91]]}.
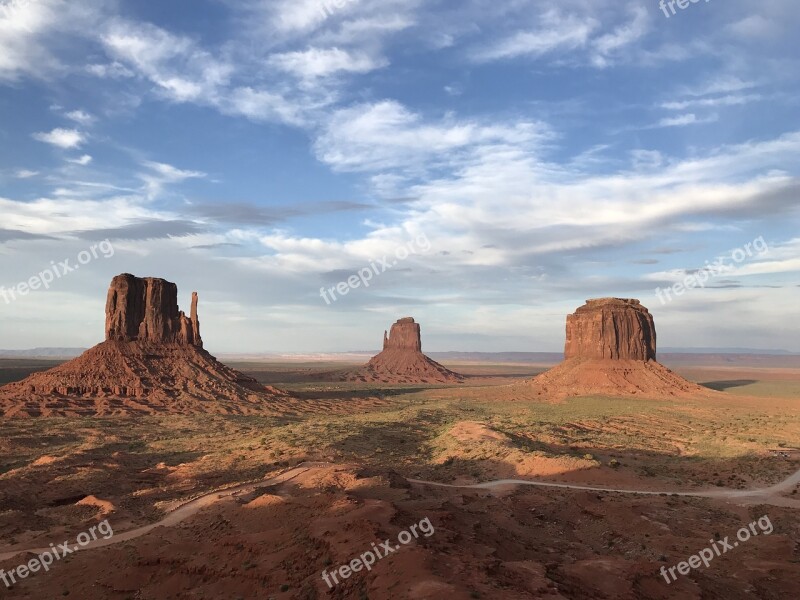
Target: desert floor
{"points": [[260, 506]]}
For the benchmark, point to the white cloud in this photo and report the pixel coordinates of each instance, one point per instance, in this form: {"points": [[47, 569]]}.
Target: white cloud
{"points": [[722, 84], [183, 72], [728, 100], [574, 33], [301, 15], [469, 166], [113, 70], [331, 21], [263, 105], [756, 27], [50, 216], [25, 174], [28, 29], [180, 69], [371, 27], [387, 135], [83, 160], [555, 32], [647, 158], [606, 45], [80, 116], [21, 51], [160, 175], [63, 138], [778, 259], [684, 120], [323, 62], [170, 173]]}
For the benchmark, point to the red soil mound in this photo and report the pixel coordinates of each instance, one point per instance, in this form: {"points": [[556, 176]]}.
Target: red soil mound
{"points": [[152, 361], [402, 360], [611, 350], [586, 377]]}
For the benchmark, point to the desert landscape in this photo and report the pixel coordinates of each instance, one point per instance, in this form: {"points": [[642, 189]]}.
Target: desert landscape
{"points": [[578, 481], [399, 300]]}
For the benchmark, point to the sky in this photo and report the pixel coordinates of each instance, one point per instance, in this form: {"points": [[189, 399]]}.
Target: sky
{"points": [[485, 166]]}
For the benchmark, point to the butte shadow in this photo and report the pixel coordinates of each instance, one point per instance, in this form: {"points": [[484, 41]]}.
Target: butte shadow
{"points": [[152, 361]]}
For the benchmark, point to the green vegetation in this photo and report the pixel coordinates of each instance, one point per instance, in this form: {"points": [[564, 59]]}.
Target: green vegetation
{"points": [[153, 460]]}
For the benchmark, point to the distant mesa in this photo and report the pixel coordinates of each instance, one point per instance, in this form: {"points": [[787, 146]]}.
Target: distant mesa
{"points": [[152, 361], [611, 350], [402, 360]]}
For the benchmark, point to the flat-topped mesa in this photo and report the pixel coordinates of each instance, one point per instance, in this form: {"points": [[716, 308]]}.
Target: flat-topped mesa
{"points": [[145, 309], [404, 334], [612, 329], [611, 351]]}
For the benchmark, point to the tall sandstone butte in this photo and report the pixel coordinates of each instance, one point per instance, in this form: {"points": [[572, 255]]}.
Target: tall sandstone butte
{"points": [[145, 309], [402, 360], [404, 335], [611, 350], [611, 328], [152, 361]]}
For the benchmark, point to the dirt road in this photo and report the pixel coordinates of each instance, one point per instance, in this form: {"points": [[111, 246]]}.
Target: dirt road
{"points": [[771, 495]]}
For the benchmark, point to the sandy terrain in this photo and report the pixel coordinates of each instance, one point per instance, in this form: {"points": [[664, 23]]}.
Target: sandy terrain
{"points": [[228, 506]]}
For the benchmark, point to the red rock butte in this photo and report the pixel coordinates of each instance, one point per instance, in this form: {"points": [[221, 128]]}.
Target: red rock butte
{"points": [[402, 360], [404, 335], [611, 328], [145, 309], [152, 361], [611, 350]]}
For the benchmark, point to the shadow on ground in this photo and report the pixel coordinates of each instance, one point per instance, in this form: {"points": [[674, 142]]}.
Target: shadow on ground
{"points": [[721, 386]]}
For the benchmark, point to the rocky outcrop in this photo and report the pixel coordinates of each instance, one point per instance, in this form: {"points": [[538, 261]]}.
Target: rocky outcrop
{"points": [[402, 360], [404, 335], [151, 362], [611, 351], [611, 328], [145, 309]]}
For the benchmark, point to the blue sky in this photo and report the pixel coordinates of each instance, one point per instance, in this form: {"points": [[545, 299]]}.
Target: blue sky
{"points": [[259, 150]]}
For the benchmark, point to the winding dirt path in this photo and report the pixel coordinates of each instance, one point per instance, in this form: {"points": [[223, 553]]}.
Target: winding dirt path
{"points": [[770, 495], [178, 515]]}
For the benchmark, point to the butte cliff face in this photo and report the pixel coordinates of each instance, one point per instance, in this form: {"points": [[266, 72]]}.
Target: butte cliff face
{"points": [[402, 360], [404, 335], [152, 361], [611, 350], [611, 328], [145, 309]]}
